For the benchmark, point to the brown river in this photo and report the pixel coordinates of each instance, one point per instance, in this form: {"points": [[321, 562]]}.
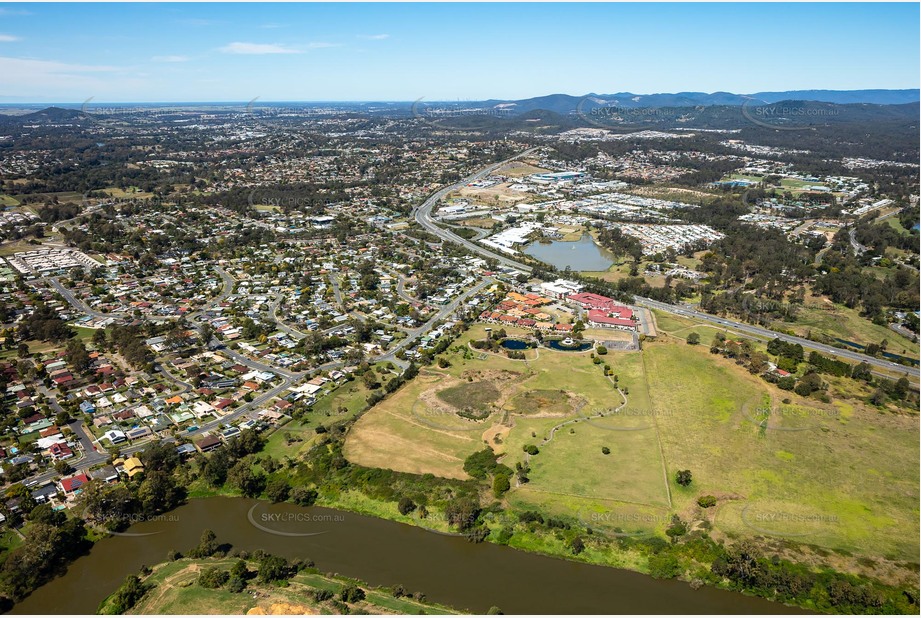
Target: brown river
{"points": [[448, 569]]}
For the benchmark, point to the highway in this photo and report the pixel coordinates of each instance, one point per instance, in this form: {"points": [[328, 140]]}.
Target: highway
{"points": [[423, 216], [759, 332]]}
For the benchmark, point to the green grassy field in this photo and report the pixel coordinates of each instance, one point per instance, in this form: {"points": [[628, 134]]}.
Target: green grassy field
{"points": [[346, 400], [839, 321], [16, 246], [404, 434], [681, 327], [130, 192], [547, 406], [784, 469], [411, 432], [62, 196], [296, 436], [470, 394], [895, 224], [841, 476]]}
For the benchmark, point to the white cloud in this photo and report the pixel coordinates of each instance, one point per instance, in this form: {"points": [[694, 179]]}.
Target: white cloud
{"points": [[43, 79], [322, 45], [14, 12], [50, 66], [374, 37], [8, 38], [256, 49], [170, 58]]}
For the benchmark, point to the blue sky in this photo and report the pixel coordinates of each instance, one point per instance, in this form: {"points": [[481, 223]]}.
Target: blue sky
{"points": [[316, 52]]}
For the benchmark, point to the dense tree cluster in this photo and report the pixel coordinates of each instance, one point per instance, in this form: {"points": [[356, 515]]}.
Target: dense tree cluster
{"points": [[129, 342], [44, 324], [52, 541]]}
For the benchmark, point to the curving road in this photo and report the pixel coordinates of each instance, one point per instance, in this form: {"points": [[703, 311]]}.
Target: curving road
{"points": [[423, 216]]}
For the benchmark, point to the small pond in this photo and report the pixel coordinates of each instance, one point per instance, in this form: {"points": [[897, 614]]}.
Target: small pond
{"points": [[577, 346]]}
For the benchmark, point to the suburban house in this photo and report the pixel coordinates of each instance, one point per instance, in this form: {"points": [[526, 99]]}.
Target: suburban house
{"points": [[72, 484], [132, 466], [60, 451], [208, 443], [106, 474], [45, 493]]}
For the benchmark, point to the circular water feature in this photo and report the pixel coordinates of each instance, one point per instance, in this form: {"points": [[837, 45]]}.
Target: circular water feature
{"points": [[568, 345]]}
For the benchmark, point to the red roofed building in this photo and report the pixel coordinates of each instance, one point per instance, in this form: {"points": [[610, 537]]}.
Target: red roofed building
{"points": [[223, 403], [50, 431], [62, 379], [612, 319], [73, 483], [60, 451], [593, 301], [33, 419]]}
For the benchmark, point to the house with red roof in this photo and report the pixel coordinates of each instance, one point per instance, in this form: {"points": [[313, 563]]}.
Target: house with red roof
{"points": [[63, 379], [72, 484], [59, 451]]}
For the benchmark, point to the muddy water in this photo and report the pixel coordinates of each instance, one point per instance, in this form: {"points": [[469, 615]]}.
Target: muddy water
{"points": [[447, 569]]}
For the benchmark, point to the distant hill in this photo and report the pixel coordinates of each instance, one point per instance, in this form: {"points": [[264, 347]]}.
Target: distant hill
{"points": [[879, 97], [53, 114], [50, 117], [566, 104], [751, 116]]}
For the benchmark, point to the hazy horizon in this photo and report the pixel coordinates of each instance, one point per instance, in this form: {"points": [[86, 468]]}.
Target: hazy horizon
{"points": [[170, 53], [260, 103]]}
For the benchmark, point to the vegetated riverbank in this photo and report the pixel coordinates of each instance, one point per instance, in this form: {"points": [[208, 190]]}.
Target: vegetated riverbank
{"points": [[455, 507], [237, 583], [447, 568], [470, 509], [452, 507]]}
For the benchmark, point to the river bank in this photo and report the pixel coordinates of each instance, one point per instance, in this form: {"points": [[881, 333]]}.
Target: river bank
{"points": [[447, 568], [179, 587]]}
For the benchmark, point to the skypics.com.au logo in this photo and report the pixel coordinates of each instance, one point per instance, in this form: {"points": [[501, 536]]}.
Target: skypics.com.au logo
{"points": [[787, 524], [789, 417], [133, 519], [623, 523], [293, 523], [787, 116], [450, 116]]}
